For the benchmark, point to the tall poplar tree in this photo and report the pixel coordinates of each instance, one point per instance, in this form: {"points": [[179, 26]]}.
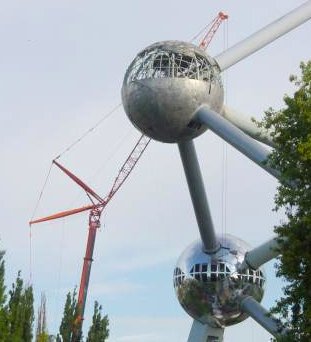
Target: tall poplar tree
{"points": [[28, 314], [98, 331], [3, 297], [16, 309], [69, 324], [20, 313], [291, 128], [70, 328]]}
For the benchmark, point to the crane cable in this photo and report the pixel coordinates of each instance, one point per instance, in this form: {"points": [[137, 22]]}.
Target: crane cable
{"points": [[204, 29], [30, 228], [59, 267], [98, 123], [106, 116]]}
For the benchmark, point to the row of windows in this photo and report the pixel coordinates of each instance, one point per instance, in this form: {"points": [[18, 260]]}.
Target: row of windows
{"points": [[164, 64], [205, 272], [213, 268], [212, 272]]}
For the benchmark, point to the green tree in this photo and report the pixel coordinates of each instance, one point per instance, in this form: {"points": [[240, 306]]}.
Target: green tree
{"points": [[20, 313], [3, 297], [69, 324], [16, 309], [98, 331], [292, 156], [15, 318], [2, 286], [28, 314]]}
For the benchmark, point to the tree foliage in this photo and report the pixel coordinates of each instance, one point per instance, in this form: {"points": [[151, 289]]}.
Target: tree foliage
{"points": [[20, 313], [3, 309], [98, 331], [70, 325], [292, 157], [16, 309], [70, 328], [17, 315]]}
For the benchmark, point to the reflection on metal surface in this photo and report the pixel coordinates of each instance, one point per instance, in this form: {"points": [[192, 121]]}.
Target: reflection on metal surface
{"points": [[165, 84], [209, 286]]}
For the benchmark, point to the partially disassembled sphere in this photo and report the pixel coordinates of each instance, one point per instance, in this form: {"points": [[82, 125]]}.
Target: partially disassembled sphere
{"points": [[210, 286], [164, 86]]}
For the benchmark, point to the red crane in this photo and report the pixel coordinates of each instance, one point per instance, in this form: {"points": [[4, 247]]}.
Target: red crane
{"points": [[212, 30], [96, 209]]}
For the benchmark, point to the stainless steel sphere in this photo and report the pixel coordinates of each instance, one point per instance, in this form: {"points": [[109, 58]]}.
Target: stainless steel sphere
{"points": [[165, 84], [208, 286]]}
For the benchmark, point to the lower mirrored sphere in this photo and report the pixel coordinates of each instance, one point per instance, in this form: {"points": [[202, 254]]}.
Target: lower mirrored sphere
{"points": [[209, 286]]}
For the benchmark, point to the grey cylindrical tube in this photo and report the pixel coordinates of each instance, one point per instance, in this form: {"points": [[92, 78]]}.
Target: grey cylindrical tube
{"points": [[235, 137], [197, 191], [247, 125], [261, 254], [264, 36], [250, 306]]}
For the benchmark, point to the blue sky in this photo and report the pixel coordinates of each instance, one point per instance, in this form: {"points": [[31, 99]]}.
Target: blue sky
{"points": [[62, 65]]}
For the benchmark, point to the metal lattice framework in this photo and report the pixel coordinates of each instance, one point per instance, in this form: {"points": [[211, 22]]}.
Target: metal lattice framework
{"points": [[161, 63]]}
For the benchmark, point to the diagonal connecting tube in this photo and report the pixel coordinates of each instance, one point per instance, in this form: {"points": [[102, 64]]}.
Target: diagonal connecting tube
{"points": [[264, 36], [261, 254], [235, 137], [250, 306], [197, 191], [248, 126]]}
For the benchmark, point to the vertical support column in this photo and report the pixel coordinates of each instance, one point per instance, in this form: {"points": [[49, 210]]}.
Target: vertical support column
{"points": [[204, 333], [198, 195]]}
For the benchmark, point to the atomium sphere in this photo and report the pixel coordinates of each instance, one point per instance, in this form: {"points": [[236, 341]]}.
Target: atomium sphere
{"points": [[209, 286], [165, 84]]}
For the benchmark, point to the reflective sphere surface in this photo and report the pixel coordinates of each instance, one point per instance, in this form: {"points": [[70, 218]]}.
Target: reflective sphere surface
{"points": [[208, 286], [165, 85]]}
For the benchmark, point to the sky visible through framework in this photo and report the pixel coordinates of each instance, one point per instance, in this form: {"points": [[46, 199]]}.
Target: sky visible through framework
{"points": [[62, 65]]}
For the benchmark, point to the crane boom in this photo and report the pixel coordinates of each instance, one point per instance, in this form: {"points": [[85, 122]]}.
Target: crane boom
{"points": [[213, 28], [129, 164], [77, 180]]}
